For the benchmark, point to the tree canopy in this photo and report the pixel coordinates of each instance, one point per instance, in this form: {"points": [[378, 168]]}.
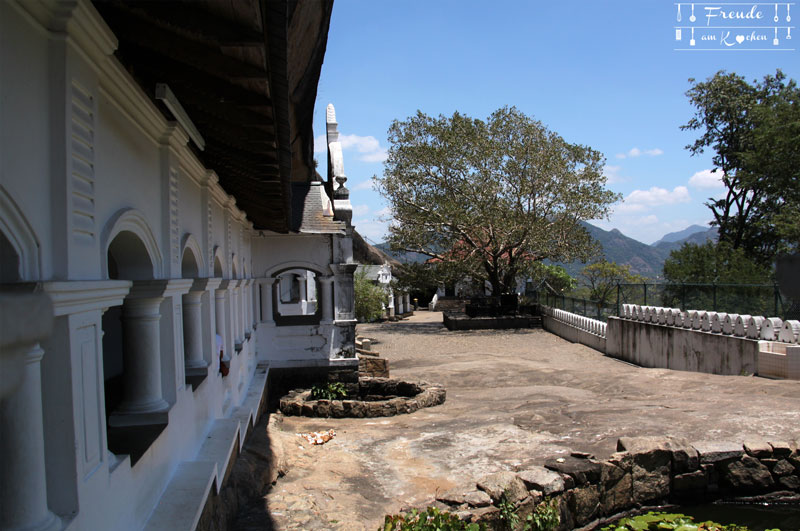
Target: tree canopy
{"points": [[754, 131], [491, 197], [600, 279]]}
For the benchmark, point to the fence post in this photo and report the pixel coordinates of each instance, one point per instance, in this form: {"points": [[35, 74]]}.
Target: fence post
{"points": [[563, 302], [714, 291], [618, 308], [645, 294], [584, 307]]}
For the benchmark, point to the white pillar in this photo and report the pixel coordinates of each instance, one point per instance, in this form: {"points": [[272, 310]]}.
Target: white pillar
{"points": [[325, 298], [236, 313], [267, 287], [141, 356], [248, 307], [193, 331], [221, 319], [23, 481]]}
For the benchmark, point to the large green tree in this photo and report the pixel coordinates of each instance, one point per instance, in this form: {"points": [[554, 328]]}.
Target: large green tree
{"points": [[754, 132], [491, 197], [601, 278]]}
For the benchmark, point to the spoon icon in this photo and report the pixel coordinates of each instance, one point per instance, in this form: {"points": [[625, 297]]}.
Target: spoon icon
{"points": [[692, 18], [679, 12], [776, 12], [788, 16]]}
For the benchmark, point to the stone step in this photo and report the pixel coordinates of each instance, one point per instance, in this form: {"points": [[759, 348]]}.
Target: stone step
{"points": [[183, 501]]}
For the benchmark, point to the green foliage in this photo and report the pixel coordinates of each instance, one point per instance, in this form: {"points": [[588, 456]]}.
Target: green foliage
{"points": [[369, 298], [754, 131], [600, 280], [491, 197], [508, 512], [431, 519], [714, 262], [677, 522], [328, 391], [544, 518], [554, 276]]}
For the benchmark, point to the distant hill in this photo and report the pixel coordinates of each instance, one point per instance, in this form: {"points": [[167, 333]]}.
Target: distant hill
{"points": [[681, 234], [645, 260], [401, 256], [698, 238]]}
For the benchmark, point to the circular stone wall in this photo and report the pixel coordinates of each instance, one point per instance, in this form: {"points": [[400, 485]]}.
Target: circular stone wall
{"points": [[378, 397]]}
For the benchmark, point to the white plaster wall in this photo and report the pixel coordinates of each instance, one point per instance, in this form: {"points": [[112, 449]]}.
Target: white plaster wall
{"points": [[123, 166], [669, 347], [25, 123], [571, 333]]}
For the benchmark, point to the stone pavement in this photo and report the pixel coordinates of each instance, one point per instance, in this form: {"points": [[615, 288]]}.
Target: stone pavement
{"points": [[514, 398]]}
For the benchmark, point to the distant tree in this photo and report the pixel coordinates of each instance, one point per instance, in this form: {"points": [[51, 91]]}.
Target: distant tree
{"points": [[754, 131], [552, 277], [491, 198], [712, 264], [601, 278]]}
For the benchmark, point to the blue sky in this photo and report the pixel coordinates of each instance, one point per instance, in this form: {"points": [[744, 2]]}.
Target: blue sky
{"points": [[601, 73]]}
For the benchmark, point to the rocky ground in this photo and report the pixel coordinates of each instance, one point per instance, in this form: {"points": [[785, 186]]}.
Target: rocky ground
{"points": [[514, 399]]}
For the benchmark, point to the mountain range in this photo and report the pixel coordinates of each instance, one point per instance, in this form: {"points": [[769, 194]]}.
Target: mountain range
{"points": [[645, 260]]}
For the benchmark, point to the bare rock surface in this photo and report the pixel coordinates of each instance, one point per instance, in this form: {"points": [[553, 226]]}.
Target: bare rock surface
{"points": [[515, 398]]}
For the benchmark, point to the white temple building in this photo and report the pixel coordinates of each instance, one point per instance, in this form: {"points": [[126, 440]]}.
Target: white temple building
{"points": [[158, 201]]}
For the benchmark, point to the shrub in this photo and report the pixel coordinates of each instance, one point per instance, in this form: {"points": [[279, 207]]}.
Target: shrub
{"points": [[369, 298], [329, 391], [431, 519]]}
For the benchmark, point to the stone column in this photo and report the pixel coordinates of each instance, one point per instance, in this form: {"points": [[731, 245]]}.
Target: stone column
{"points": [[303, 289], [248, 307], [141, 354], [193, 335], [325, 298], [266, 301], [407, 300], [23, 481], [344, 291], [236, 314], [221, 320]]}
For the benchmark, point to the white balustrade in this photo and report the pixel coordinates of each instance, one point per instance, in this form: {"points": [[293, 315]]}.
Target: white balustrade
{"points": [[740, 325], [729, 323], [716, 322], [754, 327], [770, 328], [790, 331]]}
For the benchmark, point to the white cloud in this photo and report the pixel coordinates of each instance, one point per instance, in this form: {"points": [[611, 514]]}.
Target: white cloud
{"points": [[612, 175], [368, 146], [640, 200], [647, 220], [363, 185], [385, 211], [636, 152], [706, 179], [373, 230], [360, 210]]}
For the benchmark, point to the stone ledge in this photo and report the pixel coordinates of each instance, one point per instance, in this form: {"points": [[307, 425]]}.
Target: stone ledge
{"points": [[407, 397], [647, 472]]}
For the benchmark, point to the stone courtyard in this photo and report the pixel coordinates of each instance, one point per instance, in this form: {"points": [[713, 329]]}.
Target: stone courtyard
{"points": [[514, 399]]}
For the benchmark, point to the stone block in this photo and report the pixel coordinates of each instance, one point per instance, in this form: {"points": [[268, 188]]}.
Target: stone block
{"points": [[542, 479], [758, 449], [716, 451], [782, 468], [789, 482], [746, 474], [485, 515], [495, 485], [617, 488], [583, 471], [477, 498], [781, 448], [452, 497], [584, 503], [689, 481]]}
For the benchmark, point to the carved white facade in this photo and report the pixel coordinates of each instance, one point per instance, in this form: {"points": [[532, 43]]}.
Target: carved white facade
{"points": [[113, 232]]}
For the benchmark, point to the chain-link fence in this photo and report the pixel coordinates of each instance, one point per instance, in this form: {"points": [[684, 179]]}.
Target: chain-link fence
{"points": [[749, 299]]}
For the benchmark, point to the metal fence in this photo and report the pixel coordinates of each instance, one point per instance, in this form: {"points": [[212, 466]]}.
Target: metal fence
{"points": [[749, 299]]}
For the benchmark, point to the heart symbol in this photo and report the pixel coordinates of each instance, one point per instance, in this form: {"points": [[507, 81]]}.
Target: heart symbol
{"points": [[740, 39]]}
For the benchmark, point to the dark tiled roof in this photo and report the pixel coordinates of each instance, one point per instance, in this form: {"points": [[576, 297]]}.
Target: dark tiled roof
{"points": [[309, 202]]}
